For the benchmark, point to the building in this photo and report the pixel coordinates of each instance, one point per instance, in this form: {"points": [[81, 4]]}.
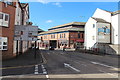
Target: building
{"points": [[7, 20], [101, 32], [70, 34], [21, 18], [12, 14]]}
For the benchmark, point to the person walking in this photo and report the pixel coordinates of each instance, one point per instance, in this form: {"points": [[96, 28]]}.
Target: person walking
{"points": [[64, 48]]}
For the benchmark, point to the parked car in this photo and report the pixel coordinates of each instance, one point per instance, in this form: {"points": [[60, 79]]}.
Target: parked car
{"points": [[51, 48]]}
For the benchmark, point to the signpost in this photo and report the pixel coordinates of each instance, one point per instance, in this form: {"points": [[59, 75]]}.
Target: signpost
{"points": [[25, 33]]}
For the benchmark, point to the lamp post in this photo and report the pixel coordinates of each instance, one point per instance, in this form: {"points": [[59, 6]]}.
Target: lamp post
{"points": [[35, 50]]}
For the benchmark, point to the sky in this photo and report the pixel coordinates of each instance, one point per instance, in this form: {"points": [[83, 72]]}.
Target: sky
{"points": [[50, 14]]}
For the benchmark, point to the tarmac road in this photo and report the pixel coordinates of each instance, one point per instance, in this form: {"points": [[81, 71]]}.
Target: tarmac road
{"points": [[68, 65]]}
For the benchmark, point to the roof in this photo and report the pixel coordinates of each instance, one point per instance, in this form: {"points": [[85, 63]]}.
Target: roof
{"points": [[40, 30], [99, 20], [62, 30], [108, 11], [116, 12], [24, 4], [69, 24]]}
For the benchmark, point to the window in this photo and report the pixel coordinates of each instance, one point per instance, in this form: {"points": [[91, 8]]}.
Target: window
{"points": [[45, 37], [78, 35], [1, 16], [60, 36], [6, 17], [82, 35], [93, 25], [3, 43], [9, 3], [93, 37], [64, 35], [53, 36]]}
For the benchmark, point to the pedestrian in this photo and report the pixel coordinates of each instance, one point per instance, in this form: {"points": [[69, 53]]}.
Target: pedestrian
{"points": [[64, 47]]}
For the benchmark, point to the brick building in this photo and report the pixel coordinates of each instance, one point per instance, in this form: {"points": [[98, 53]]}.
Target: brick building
{"points": [[7, 20], [70, 34], [12, 13]]}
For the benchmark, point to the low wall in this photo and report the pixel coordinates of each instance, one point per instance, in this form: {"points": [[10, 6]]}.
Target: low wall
{"points": [[109, 49]]}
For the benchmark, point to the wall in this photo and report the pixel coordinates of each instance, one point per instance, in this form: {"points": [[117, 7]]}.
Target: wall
{"points": [[8, 32], [98, 14], [115, 29], [18, 15], [90, 33]]}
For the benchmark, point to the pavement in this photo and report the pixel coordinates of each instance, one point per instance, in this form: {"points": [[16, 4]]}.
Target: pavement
{"points": [[18, 65], [27, 58]]}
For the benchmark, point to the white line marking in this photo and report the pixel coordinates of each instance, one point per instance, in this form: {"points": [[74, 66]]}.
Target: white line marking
{"points": [[68, 65], [0, 78], [103, 64], [83, 64], [108, 73], [36, 69], [47, 76], [43, 69]]}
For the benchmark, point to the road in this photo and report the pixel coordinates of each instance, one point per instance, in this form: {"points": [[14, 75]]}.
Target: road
{"points": [[66, 65]]}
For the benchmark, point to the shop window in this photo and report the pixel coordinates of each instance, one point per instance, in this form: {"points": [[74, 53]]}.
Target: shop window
{"points": [[3, 43]]}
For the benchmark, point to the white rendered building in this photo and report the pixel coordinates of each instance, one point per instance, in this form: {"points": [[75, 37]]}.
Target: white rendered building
{"points": [[101, 31]]}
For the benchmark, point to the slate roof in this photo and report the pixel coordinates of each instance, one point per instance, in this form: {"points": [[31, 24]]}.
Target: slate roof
{"points": [[62, 30], [99, 20], [116, 12], [69, 24]]}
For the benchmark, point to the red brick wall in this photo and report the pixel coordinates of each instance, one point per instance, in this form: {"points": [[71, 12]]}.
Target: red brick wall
{"points": [[8, 31], [74, 36]]}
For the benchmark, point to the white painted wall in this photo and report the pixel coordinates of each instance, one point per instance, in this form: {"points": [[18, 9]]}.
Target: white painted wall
{"points": [[115, 28], [18, 15], [90, 32], [99, 13], [26, 14]]}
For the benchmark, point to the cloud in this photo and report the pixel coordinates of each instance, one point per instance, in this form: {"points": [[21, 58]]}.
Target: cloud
{"points": [[49, 21], [42, 1], [57, 4]]}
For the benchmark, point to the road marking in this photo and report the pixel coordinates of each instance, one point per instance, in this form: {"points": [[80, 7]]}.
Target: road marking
{"points": [[44, 60], [0, 78], [43, 69], [47, 76], [36, 69], [84, 65], [103, 65], [68, 65], [108, 73]]}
